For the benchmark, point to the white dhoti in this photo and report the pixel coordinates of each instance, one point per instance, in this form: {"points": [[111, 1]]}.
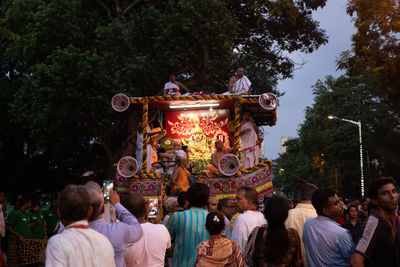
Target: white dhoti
{"points": [[241, 86], [248, 158], [149, 158], [139, 149], [139, 157], [248, 144]]}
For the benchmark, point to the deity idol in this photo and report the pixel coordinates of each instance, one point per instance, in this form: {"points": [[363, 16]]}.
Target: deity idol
{"points": [[199, 149]]}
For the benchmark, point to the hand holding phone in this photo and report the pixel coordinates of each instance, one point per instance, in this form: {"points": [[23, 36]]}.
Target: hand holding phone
{"points": [[153, 207], [108, 186], [114, 198]]}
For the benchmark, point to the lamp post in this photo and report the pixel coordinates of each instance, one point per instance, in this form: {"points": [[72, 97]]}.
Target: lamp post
{"points": [[358, 123]]}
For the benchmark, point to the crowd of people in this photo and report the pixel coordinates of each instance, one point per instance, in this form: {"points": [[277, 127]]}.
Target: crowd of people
{"points": [[200, 230]]}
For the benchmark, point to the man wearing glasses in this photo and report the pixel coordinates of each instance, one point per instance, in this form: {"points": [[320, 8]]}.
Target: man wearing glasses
{"points": [[227, 208]]}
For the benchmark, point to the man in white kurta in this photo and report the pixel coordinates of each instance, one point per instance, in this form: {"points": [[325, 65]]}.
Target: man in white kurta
{"points": [[151, 248], [247, 202], [173, 86], [77, 245], [239, 84], [248, 142]]}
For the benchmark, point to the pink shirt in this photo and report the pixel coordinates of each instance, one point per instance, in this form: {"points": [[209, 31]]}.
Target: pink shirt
{"points": [[149, 251]]}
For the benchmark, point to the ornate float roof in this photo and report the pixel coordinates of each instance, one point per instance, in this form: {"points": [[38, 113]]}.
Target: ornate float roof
{"points": [[250, 103]]}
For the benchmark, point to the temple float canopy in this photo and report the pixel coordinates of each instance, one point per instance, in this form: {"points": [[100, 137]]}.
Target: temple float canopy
{"points": [[262, 117], [197, 121]]}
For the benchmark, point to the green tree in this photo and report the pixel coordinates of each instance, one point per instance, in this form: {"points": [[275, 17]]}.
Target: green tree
{"points": [[5, 33], [296, 161], [350, 98], [376, 46], [198, 37], [73, 56]]}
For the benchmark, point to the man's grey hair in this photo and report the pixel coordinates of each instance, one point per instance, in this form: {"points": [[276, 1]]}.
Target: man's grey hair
{"points": [[95, 198]]}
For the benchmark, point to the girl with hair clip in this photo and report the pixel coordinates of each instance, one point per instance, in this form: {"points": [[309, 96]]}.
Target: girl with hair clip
{"points": [[217, 250]]}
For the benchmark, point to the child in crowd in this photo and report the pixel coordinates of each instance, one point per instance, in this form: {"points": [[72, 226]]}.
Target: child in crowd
{"points": [[37, 223]]}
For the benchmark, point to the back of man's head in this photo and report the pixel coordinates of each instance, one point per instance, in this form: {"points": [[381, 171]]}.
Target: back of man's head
{"points": [[136, 205], [306, 191], [198, 195], [250, 194], [73, 204], [377, 184], [182, 198], [320, 199], [96, 199]]}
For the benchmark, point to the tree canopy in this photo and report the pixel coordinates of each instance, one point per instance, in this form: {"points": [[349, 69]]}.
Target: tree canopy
{"points": [[327, 152], [74, 55], [376, 46]]}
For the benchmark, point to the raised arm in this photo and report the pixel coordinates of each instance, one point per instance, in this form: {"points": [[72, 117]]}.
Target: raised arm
{"points": [[126, 217], [182, 86]]}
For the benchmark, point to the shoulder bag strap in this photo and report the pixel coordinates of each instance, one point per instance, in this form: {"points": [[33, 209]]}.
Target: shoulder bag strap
{"points": [[299, 258], [251, 242]]}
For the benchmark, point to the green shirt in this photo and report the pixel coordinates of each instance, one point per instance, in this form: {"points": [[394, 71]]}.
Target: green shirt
{"points": [[51, 219], [37, 230], [20, 222]]}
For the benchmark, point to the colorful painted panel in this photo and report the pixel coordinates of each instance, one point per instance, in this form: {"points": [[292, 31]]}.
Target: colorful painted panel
{"points": [[226, 187], [199, 130], [221, 187]]}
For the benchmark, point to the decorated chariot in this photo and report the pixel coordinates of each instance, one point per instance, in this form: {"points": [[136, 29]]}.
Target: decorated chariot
{"points": [[198, 121]]}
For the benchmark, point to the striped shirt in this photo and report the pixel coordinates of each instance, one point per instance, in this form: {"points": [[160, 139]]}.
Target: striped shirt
{"points": [[188, 229], [327, 244]]}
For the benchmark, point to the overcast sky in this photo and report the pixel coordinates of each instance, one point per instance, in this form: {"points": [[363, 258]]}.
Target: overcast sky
{"points": [[290, 113]]}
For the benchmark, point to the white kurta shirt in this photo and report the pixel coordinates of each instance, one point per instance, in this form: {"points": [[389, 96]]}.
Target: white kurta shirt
{"points": [[150, 250], [171, 88], [244, 225], [76, 247], [227, 228]]}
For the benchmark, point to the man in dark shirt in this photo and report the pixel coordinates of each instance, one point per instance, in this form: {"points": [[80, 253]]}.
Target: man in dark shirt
{"points": [[376, 245], [353, 224]]}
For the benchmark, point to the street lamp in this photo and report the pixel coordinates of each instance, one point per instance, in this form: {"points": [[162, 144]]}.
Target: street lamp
{"points": [[358, 123]]}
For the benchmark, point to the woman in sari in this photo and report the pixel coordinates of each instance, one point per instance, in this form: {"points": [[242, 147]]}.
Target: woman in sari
{"points": [[217, 250], [274, 245]]}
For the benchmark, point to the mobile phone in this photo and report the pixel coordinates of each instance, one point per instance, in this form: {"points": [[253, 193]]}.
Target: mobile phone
{"points": [[108, 185], [153, 207]]}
